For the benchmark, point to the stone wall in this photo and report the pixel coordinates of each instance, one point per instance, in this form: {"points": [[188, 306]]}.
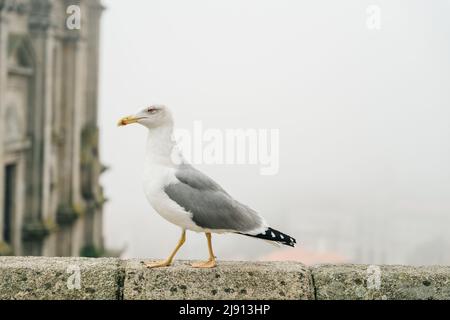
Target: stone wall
{"points": [[111, 278], [50, 197]]}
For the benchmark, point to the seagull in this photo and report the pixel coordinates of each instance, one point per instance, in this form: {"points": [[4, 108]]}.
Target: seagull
{"points": [[188, 198]]}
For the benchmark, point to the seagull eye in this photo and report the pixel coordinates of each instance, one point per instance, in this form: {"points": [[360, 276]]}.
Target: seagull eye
{"points": [[152, 110]]}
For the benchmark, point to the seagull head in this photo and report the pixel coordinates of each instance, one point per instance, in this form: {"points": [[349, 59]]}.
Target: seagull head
{"points": [[151, 117]]}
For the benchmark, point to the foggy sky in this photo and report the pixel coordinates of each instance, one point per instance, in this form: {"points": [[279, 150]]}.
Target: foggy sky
{"points": [[363, 116]]}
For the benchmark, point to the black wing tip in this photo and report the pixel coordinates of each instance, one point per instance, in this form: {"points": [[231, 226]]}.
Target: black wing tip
{"points": [[276, 236]]}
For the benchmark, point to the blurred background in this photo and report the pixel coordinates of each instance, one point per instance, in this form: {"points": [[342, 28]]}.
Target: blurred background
{"points": [[358, 91], [51, 202]]}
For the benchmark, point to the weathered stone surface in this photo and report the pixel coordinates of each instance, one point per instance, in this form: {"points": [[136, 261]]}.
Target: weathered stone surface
{"points": [[110, 278], [229, 280], [381, 282], [56, 278]]}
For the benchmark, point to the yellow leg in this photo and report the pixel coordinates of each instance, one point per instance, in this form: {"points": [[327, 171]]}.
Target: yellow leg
{"points": [[168, 261], [211, 263]]}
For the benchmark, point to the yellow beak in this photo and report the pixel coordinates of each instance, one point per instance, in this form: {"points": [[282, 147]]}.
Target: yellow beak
{"points": [[127, 120]]}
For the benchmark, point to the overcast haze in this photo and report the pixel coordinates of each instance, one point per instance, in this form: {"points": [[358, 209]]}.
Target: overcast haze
{"points": [[363, 117]]}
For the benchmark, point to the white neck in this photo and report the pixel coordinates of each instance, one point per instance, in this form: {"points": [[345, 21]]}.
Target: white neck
{"points": [[160, 146]]}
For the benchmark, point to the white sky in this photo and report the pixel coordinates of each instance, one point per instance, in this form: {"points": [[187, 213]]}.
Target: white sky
{"points": [[363, 115]]}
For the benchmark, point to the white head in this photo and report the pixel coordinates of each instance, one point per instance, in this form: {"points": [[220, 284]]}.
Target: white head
{"points": [[151, 117]]}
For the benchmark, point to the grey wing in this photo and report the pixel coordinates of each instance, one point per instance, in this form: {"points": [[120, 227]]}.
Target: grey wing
{"points": [[211, 207]]}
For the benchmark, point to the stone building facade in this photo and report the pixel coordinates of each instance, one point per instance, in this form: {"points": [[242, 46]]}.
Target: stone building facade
{"points": [[50, 197]]}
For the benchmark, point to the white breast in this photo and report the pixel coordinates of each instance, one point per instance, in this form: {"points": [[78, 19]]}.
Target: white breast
{"points": [[156, 177], [159, 171]]}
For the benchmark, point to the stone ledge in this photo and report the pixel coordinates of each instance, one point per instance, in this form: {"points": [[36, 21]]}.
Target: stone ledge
{"points": [[111, 278], [363, 282], [27, 278], [230, 280]]}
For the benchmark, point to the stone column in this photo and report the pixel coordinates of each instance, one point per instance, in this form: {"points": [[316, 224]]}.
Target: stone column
{"points": [[74, 98], [40, 122], [92, 166], [72, 101], [3, 77]]}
